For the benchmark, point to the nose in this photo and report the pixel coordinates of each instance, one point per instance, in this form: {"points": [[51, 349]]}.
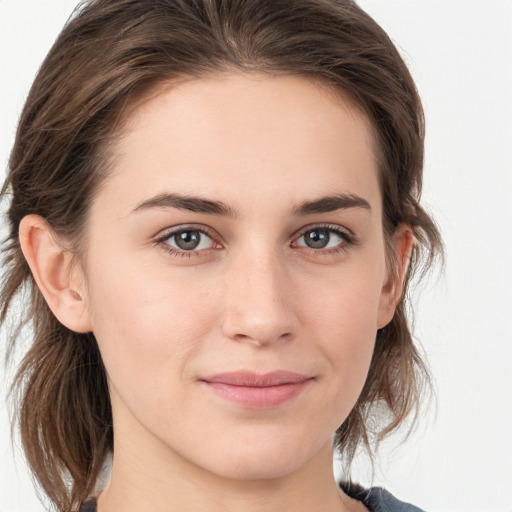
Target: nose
{"points": [[259, 301]]}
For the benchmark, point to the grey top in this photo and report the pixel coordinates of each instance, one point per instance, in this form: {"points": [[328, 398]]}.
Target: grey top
{"points": [[377, 499]]}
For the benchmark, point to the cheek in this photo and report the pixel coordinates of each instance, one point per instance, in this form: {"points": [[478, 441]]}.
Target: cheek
{"points": [[344, 314], [346, 300], [145, 323]]}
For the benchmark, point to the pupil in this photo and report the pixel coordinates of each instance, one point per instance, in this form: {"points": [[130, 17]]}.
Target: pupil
{"points": [[317, 239], [188, 240]]}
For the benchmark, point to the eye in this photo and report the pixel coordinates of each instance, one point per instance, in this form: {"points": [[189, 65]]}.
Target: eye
{"points": [[187, 240], [322, 238]]}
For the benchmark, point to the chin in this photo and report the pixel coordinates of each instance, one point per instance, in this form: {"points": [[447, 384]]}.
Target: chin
{"points": [[261, 461], [249, 470]]}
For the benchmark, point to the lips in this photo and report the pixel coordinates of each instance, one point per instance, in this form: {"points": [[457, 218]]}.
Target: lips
{"points": [[249, 389]]}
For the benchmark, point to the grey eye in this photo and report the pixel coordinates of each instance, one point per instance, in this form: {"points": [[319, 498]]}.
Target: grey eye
{"points": [[190, 240], [317, 238], [322, 238]]}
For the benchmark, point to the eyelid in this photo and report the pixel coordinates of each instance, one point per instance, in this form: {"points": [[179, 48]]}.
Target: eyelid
{"points": [[346, 234], [162, 236], [331, 227], [179, 228]]}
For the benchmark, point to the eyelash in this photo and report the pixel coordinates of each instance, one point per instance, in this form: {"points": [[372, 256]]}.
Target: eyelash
{"points": [[347, 237], [162, 241]]}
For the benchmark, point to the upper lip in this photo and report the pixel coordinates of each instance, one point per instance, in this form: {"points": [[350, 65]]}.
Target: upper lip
{"points": [[253, 379]]}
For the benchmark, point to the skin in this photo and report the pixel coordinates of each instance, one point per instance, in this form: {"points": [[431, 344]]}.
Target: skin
{"points": [[252, 296]]}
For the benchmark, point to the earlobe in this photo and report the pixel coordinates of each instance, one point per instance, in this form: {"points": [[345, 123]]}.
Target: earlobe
{"points": [[402, 245], [49, 262]]}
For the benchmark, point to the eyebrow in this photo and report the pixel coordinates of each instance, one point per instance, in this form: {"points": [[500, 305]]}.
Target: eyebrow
{"points": [[332, 203], [207, 206], [190, 203]]}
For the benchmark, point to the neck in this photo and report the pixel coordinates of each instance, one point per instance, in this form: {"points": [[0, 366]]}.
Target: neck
{"points": [[145, 482]]}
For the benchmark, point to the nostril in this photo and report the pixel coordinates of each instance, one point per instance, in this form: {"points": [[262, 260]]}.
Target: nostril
{"points": [[262, 339]]}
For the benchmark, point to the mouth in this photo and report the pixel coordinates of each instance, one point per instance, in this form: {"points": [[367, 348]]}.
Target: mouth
{"points": [[253, 390]]}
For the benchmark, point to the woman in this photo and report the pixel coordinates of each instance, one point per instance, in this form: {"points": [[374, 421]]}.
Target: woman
{"points": [[214, 205]]}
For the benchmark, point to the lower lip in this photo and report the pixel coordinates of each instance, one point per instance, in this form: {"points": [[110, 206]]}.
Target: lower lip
{"points": [[258, 397]]}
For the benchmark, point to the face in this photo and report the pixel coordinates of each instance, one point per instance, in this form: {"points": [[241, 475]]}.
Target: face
{"points": [[236, 273]]}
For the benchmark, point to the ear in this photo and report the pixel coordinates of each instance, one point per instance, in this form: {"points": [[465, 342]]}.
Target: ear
{"points": [[49, 262], [401, 245]]}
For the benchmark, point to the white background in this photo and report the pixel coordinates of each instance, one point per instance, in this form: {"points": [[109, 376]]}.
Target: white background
{"points": [[460, 53]]}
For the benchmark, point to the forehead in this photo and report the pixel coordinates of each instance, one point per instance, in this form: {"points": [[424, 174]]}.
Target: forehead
{"points": [[254, 133]]}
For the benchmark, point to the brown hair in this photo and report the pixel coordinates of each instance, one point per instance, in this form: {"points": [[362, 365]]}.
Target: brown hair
{"points": [[113, 52]]}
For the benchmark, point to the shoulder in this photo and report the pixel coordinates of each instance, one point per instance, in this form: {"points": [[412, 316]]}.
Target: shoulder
{"points": [[377, 499]]}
